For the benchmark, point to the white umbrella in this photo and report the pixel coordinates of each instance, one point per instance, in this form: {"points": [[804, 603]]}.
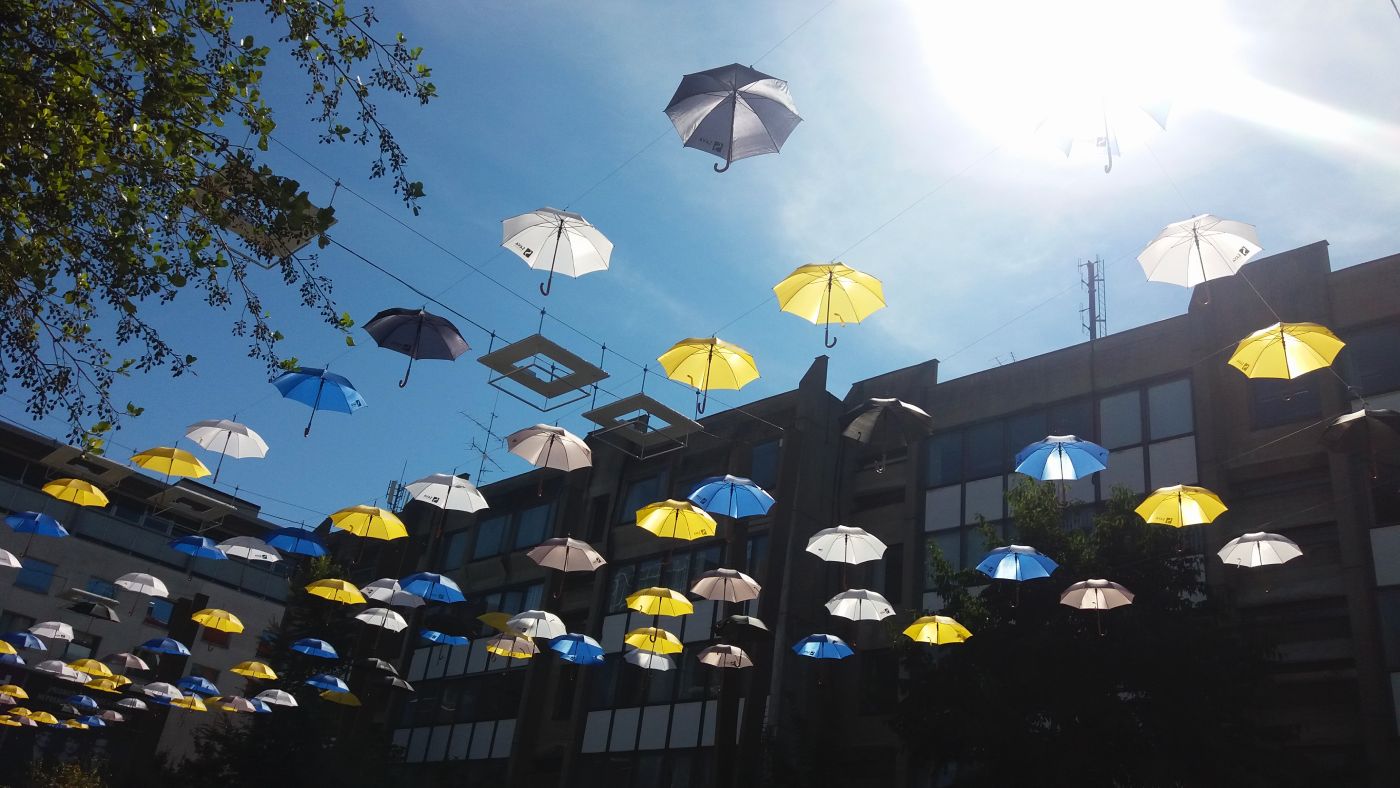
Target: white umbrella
{"points": [[53, 630], [847, 544], [126, 661], [446, 491], [382, 590], [112, 716], [558, 241], [1096, 595], [538, 624], [50, 666], [238, 704], [1199, 249], [132, 703], [402, 598], [858, 604], [250, 548], [733, 112], [160, 689], [726, 585], [725, 656], [382, 617], [142, 583], [550, 447], [567, 555], [8, 560], [228, 438], [649, 660], [1259, 549], [277, 697]]}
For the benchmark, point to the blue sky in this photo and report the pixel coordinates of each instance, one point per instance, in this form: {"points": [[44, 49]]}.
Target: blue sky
{"points": [[1285, 115]]}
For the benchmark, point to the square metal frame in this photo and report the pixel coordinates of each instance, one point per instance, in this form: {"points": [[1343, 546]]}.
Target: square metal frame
{"points": [[517, 363], [642, 444]]}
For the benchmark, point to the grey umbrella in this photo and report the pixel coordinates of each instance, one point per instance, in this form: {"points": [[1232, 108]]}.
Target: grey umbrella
{"points": [[733, 112], [417, 334]]}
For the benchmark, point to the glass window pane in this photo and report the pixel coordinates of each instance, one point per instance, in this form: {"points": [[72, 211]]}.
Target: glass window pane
{"points": [[533, 595], [648, 574], [1025, 429], [1169, 411], [764, 464], [488, 536], [455, 551], [943, 508], [621, 584], [640, 493], [950, 542], [101, 587], [677, 573], [158, 611], [1120, 419], [944, 458], [1125, 469], [757, 558], [36, 575], [986, 456], [1279, 402], [1173, 462], [532, 526], [985, 498], [1372, 359]]}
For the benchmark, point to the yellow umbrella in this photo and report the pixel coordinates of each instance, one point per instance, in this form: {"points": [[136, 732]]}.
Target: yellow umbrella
{"points": [[709, 363], [1286, 350], [5, 720], [660, 602], [657, 641], [254, 670], [7, 648], [1180, 505], [171, 462], [512, 646], [937, 630], [91, 667], [190, 702], [74, 724], [343, 698], [41, 716], [104, 685], [499, 622], [370, 522], [20, 711], [76, 491], [14, 691], [824, 293], [676, 520], [341, 591], [120, 680], [220, 620]]}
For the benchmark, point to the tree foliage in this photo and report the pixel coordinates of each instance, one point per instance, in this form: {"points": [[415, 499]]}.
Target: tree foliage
{"points": [[129, 172], [1160, 699]]}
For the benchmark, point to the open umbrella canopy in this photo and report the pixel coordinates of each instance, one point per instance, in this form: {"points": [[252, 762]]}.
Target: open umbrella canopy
{"points": [[1286, 350], [165, 646], [706, 363], [498, 621], [1016, 562], [447, 491], [228, 438], [512, 646], [62, 671], [652, 639], [249, 548], [673, 519], [845, 544], [374, 663], [733, 112], [297, 541], [254, 670], [545, 446], [336, 590], [6, 649], [383, 590], [721, 655], [1259, 549], [126, 661], [43, 718], [218, 620], [1365, 431], [1181, 505], [826, 293], [442, 638], [881, 420], [341, 698], [320, 389], [81, 702], [432, 587], [731, 496], [91, 667], [382, 617], [822, 647], [162, 691], [112, 716], [326, 681], [537, 624], [369, 522], [96, 611], [418, 334], [35, 523], [578, 649], [1199, 249], [76, 491], [859, 604], [277, 697], [24, 639], [554, 240], [13, 691], [1061, 457], [725, 585], [649, 660], [235, 704], [12, 659], [936, 630], [198, 684], [132, 703], [104, 685], [53, 630], [314, 647], [8, 560], [566, 554], [170, 461], [199, 547], [1096, 595], [657, 601], [189, 703], [394, 682], [142, 583]]}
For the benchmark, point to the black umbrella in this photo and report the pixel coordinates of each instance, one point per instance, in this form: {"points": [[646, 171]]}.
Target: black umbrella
{"points": [[416, 334], [741, 627], [394, 682], [1366, 432], [881, 420]]}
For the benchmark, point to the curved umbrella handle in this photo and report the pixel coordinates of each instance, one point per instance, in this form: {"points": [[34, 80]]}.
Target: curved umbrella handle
{"points": [[830, 340], [1109, 166], [406, 373], [548, 285], [718, 168]]}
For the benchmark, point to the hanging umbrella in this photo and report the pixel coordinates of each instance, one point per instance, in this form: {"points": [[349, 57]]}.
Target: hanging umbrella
{"points": [[706, 363], [170, 461], [1181, 505], [11, 659], [578, 649], [1061, 457], [1367, 431], [537, 624], [254, 670], [498, 621], [649, 660], [382, 617], [313, 647], [165, 646], [822, 647], [1259, 549], [105, 685], [228, 439], [112, 716], [13, 691], [557, 240], [1286, 350], [23, 639], [43, 718], [236, 705], [81, 702], [53, 630], [91, 721], [370, 522], [721, 655], [6, 649], [190, 703], [1096, 595], [8, 560], [881, 420], [341, 698], [374, 663], [120, 680], [132, 703], [1016, 562], [1199, 249], [218, 620], [652, 639], [566, 555], [277, 697], [442, 638], [676, 520], [249, 548], [198, 684], [859, 604], [76, 491], [446, 491], [126, 661], [417, 334], [141, 583], [824, 293], [394, 682], [297, 541], [732, 496], [512, 646], [342, 591], [325, 681], [733, 112], [725, 585], [36, 524], [321, 390], [658, 601], [550, 447], [96, 610], [198, 547], [383, 590], [91, 667], [432, 587], [846, 544]]}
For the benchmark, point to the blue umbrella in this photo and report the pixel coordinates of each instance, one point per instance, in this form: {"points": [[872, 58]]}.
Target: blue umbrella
{"points": [[81, 701], [315, 648], [432, 587], [1016, 562], [297, 541], [198, 684], [259, 706], [93, 721], [35, 523], [12, 659], [822, 647], [199, 547], [165, 646], [326, 681], [1060, 457], [578, 649], [442, 638], [321, 390], [22, 639], [731, 495]]}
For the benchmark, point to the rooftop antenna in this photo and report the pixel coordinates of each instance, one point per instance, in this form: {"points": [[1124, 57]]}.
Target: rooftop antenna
{"points": [[1095, 315]]}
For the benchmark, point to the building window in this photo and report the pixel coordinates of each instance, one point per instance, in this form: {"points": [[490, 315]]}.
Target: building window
{"points": [[1120, 420], [1278, 402], [158, 612], [1389, 602], [640, 493], [1170, 410], [1071, 418], [531, 526], [1371, 359], [763, 463], [215, 637], [986, 456], [97, 585], [454, 552], [36, 575], [515, 600], [82, 646], [944, 460], [11, 621], [756, 560], [489, 535]]}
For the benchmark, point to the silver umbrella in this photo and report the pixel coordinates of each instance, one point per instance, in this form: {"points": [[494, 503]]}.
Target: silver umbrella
{"points": [[733, 112]]}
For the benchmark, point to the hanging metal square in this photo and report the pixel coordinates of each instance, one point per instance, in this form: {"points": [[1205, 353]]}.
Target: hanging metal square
{"points": [[543, 368], [627, 425]]}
